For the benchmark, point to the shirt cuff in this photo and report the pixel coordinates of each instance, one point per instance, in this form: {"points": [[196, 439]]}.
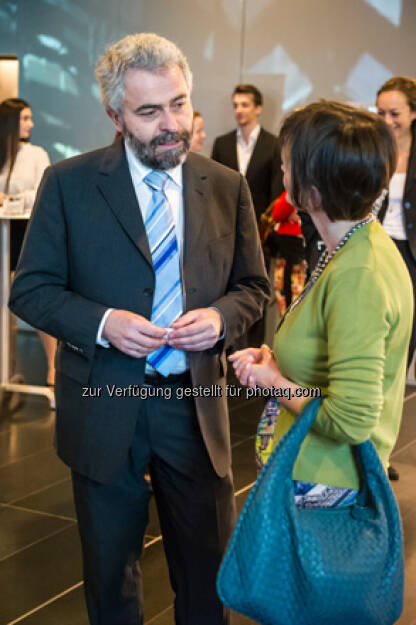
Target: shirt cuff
{"points": [[220, 338], [99, 340]]}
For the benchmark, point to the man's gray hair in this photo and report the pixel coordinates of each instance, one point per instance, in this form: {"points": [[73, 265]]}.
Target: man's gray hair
{"points": [[145, 51]]}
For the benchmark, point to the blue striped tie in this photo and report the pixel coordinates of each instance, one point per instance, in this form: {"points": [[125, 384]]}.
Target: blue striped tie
{"points": [[167, 300]]}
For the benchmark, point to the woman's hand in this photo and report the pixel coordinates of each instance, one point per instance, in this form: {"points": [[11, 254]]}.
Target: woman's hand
{"points": [[242, 358], [256, 367], [2, 196]]}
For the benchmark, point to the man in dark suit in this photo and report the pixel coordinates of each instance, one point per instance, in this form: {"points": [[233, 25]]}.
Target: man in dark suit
{"points": [[118, 237], [251, 150], [255, 153]]}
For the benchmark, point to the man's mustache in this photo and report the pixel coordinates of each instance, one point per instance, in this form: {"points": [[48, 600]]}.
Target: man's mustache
{"points": [[168, 137]]}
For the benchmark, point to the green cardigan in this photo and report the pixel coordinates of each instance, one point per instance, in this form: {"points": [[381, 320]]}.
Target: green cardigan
{"points": [[349, 336]]}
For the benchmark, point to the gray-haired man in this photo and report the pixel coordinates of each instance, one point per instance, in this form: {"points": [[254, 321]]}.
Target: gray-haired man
{"points": [[145, 263]]}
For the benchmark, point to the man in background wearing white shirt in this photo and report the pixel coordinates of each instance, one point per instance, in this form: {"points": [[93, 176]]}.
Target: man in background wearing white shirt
{"points": [[251, 150], [255, 153]]}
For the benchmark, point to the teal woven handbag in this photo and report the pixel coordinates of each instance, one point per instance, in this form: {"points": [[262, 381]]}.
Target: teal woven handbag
{"points": [[318, 566]]}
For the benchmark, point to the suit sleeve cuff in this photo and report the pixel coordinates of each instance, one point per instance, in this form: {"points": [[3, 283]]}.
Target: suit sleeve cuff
{"points": [[222, 335]]}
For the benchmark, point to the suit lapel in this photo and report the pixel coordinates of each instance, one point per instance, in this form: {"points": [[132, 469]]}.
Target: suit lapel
{"points": [[195, 203], [116, 186], [255, 155]]}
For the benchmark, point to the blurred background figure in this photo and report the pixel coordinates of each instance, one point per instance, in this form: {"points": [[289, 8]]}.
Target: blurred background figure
{"points": [[198, 133], [255, 153], [251, 150], [290, 271], [21, 168], [396, 104], [313, 244]]}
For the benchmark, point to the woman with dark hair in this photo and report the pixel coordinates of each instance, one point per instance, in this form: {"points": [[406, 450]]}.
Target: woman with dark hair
{"points": [[21, 168], [21, 163], [396, 104], [348, 332]]}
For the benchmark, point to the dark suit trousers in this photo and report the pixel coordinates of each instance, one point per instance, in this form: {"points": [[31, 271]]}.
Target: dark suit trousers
{"points": [[196, 511]]}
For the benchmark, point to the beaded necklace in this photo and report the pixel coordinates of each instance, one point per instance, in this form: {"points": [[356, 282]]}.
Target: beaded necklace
{"points": [[323, 261]]}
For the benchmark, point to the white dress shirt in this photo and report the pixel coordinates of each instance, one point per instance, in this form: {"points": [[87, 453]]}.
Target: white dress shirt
{"points": [[245, 149], [173, 190]]}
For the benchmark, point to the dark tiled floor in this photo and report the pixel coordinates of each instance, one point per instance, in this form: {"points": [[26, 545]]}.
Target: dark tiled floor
{"points": [[40, 563]]}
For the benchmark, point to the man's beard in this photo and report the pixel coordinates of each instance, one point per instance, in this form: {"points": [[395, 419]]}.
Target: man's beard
{"points": [[167, 159]]}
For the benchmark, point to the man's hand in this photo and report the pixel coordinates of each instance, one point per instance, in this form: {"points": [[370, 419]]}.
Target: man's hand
{"points": [[2, 196], [196, 330], [133, 334]]}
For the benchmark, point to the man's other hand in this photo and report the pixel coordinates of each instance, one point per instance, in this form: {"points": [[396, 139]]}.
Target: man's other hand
{"points": [[196, 330], [133, 334]]}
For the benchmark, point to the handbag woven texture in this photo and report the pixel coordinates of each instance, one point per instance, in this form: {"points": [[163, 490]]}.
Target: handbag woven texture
{"points": [[318, 566]]}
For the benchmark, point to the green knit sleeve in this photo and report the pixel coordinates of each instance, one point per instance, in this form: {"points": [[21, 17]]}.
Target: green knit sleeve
{"points": [[356, 315]]}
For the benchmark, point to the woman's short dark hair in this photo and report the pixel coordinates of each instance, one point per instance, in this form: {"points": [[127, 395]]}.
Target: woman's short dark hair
{"points": [[404, 84], [347, 153], [252, 90], [10, 110]]}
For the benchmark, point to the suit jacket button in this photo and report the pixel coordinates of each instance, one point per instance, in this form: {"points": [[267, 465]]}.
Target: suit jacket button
{"points": [[191, 291], [148, 292], [407, 205], [409, 226]]}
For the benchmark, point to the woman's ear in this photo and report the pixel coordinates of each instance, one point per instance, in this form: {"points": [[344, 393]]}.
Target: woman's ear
{"points": [[313, 199]]}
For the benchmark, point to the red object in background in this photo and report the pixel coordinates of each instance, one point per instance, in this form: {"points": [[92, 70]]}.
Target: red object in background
{"points": [[283, 213]]}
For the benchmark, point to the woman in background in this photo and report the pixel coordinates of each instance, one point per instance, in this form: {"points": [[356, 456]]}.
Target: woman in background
{"points": [[198, 133], [21, 168], [289, 272], [348, 332], [396, 104]]}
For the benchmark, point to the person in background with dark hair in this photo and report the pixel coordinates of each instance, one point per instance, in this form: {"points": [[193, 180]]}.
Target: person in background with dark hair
{"points": [[348, 332], [289, 272], [396, 104], [251, 150], [21, 168], [255, 153], [198, 133]]}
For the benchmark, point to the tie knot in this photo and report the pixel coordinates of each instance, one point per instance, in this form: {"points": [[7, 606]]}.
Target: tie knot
{"points": [[156, 180]]}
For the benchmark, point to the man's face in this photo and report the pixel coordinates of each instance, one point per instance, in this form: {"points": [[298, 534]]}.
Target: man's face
{"points": [[245, 111], [157, 116]]}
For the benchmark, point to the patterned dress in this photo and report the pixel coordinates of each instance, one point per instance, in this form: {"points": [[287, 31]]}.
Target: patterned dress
{"points": [[307, 494]]}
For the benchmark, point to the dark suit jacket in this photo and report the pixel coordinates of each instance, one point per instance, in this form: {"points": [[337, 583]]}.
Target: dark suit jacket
{"points": [[87, 250], [264, 174], [409, 197]]}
